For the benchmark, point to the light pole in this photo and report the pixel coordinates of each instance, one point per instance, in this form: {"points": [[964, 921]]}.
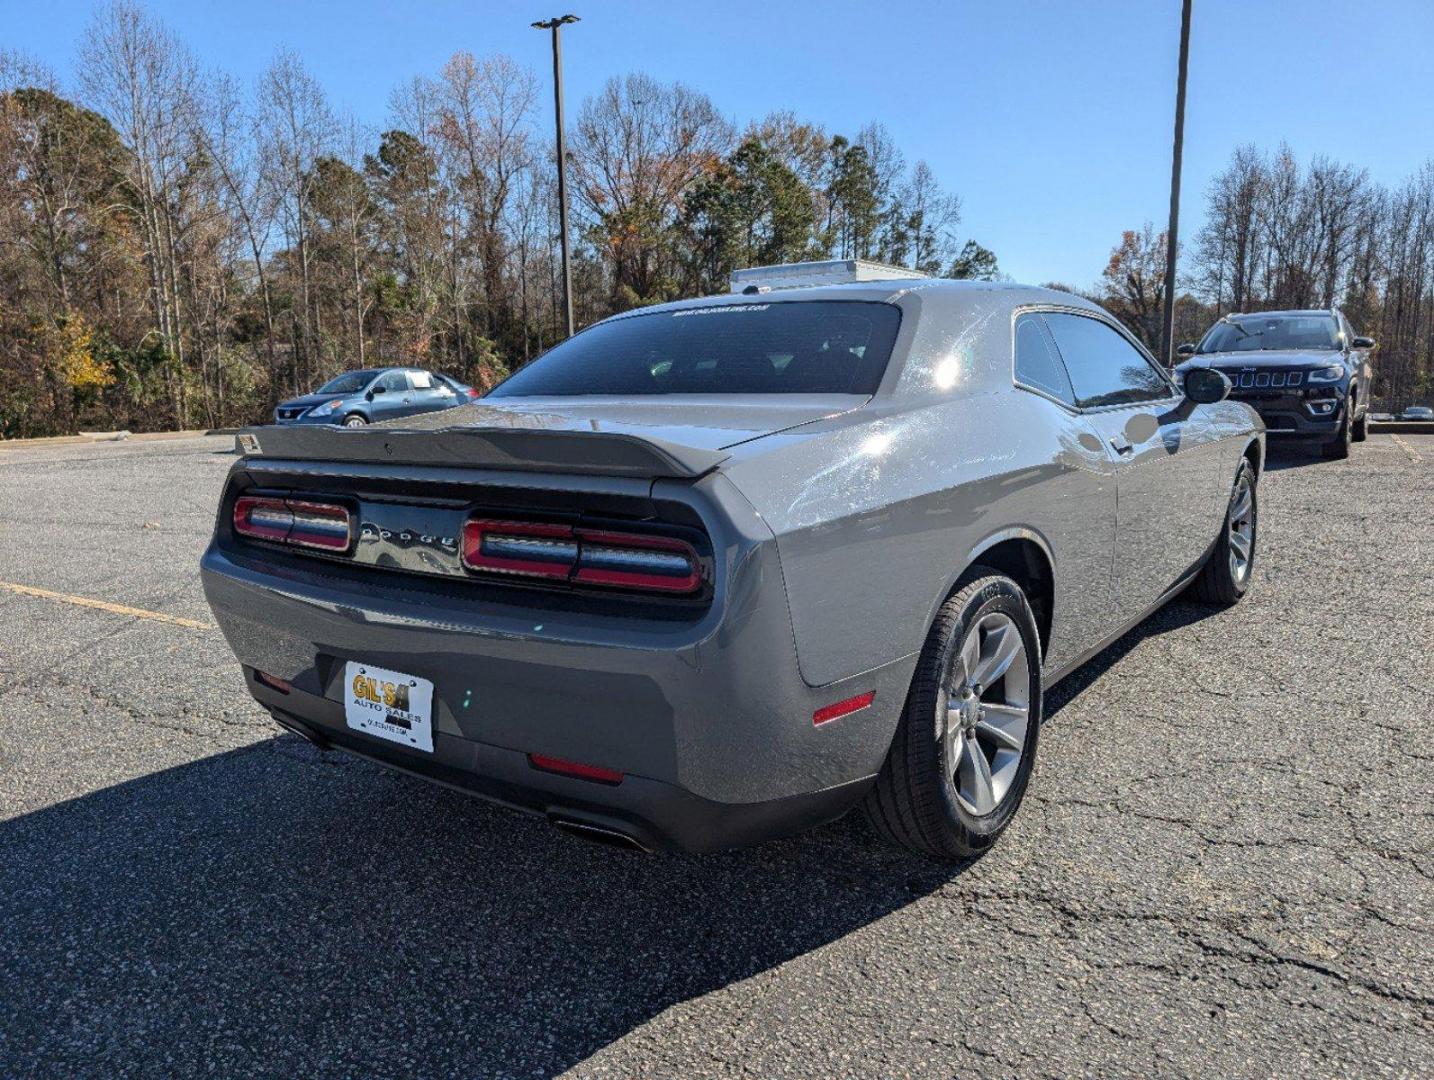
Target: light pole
{"points": [[1172, 240], [556, 26]]}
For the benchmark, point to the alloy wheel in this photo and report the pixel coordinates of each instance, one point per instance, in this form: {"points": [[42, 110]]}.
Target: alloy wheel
{"points": [[986, 713], [1241, 520]]}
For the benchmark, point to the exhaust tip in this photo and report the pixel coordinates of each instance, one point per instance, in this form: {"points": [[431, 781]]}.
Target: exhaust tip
{"points": [[600, 834], [301, 730]]}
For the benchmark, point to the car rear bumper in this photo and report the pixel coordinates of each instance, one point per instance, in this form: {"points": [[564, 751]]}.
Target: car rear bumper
{"points": [[638, 812], [709, 721]]}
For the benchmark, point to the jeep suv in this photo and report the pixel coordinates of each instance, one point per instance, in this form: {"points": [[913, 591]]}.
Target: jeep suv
{"points": [[1305, 372]]}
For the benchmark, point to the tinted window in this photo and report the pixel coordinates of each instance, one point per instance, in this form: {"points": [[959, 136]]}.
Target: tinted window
{"points": [[1104, 368], [394, 382], [1256, 333], [350, 383], [1037, 364], [797, 347]]}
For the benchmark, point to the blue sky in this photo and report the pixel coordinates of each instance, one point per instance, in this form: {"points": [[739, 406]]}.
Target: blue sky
{"points": [[1052, 120]]}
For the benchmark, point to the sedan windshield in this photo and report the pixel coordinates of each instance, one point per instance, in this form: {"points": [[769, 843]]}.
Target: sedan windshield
{"points": [[350, 382], [1262, 333], [794, 347]]}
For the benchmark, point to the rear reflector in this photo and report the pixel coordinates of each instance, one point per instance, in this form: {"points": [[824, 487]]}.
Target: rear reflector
{"points": [[844, 708], [588, 556], [273, 682], [325, 526], [574, 769]]}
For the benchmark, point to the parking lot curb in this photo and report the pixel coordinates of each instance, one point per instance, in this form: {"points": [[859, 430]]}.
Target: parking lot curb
{"points": [[111, 436], [1402, 427]]}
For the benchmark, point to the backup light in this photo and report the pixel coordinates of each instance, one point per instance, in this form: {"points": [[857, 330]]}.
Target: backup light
{"points": [[588, 556]]}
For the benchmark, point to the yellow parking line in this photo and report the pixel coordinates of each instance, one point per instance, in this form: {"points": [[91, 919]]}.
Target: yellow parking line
{"points": [[1413, 454], [104, 605]]}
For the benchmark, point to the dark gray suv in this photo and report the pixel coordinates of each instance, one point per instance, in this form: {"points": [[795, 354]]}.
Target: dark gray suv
{"points": [[1306, 373]]}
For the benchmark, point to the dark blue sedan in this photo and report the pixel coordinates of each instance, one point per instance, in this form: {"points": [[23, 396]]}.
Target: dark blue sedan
{"points": [[356, 398]]}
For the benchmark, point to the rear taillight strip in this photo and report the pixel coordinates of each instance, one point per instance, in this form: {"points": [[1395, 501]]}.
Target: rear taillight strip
{"points": [[303, 523], [588, 556]]}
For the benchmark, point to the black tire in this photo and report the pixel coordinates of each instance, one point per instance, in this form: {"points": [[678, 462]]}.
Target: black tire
{"points": [[1220, 584], [354, 419], [915, 800], [1338, 447], [1361, 428]]}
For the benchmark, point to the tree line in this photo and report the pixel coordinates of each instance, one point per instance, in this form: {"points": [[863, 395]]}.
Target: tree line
{"points": [[181, 250], [1279, 234], [178, 250]]}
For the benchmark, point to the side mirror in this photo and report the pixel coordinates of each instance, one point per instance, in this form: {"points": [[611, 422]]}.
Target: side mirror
{"points": [[376, 390], [1185, 350], [1205, 386], [1362, 343]]}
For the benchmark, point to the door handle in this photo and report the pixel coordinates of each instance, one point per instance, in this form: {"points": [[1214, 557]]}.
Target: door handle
{"points": [[1119, 445]]}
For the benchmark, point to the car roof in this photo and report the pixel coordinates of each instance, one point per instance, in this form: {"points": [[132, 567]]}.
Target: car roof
{"points": [[1304, 312], [888, 291]]}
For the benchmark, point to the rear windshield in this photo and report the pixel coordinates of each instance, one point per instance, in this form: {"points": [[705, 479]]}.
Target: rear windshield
{"points": [[796, 347], [1264, 332]]}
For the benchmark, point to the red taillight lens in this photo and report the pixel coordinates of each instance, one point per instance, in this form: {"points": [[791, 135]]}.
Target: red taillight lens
{"points": [[629, 561], [264, 519], [575, 769], [472, 393], [515, 547], [319, 525], [326, 526], [587, 556]]}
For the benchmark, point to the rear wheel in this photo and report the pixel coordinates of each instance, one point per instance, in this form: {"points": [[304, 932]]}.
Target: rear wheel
{"points": [[1225, 577], [354, 420], [966, 744]]}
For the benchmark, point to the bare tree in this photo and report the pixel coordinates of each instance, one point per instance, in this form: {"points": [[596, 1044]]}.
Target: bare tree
{"points": [[637, 147], [294, 127], [142, 79]]}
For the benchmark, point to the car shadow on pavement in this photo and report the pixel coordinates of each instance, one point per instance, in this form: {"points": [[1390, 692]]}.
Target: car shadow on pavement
{"points": [[1293, 455], [277, 911], [1174, 615]]}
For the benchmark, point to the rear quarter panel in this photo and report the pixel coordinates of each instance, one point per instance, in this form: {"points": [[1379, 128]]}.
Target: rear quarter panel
{"points": [[877, 516]]}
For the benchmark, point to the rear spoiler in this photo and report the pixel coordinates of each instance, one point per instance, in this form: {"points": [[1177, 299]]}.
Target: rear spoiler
{"points": [[595, 452]]}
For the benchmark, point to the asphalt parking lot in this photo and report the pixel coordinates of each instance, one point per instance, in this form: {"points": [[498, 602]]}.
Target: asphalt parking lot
{"points": [[1225, 866]]}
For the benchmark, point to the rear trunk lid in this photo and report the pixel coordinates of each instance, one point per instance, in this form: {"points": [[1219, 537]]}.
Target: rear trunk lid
{"points": [[669, 435]]}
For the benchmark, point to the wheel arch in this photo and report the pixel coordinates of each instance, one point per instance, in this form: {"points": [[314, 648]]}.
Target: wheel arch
{"points": [[1023, 555], [1254, 453]]}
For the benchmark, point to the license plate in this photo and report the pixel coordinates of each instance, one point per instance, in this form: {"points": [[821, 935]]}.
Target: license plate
{"points": [[389, 705]]}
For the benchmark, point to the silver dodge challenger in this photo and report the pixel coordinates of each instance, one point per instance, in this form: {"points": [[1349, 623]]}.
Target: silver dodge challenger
{"points": [[717, 570]]}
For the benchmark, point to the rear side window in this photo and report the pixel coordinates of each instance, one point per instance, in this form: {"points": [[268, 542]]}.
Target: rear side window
{"points": [[394, 382], [1104, 368], [794, 347], [1037, 364]]}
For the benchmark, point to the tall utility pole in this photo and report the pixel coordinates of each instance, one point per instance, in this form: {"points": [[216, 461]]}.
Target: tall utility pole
{"points": [[556, 26], [1172, 237]]}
